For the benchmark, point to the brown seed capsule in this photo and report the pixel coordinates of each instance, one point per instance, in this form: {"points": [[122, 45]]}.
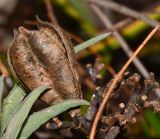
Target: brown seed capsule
{"points": [[45, 57]]}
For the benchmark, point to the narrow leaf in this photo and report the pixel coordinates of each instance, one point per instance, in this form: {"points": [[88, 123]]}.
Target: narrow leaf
{"points": [[15, 123], [38, 118], [1, 93], [1, 90], [9, 105], [91, 41]]}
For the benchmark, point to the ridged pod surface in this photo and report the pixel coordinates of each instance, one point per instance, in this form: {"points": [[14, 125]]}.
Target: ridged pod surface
{"points": [[45, 57]]}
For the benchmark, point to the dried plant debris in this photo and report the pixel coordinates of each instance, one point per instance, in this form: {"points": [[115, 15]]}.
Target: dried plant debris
{"points": [[131, 96]]}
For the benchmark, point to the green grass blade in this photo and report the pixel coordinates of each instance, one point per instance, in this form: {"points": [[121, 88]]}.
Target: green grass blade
{"points": [[90, 42], [15, 123], [40, 117], [1, 93], [9, 105]]}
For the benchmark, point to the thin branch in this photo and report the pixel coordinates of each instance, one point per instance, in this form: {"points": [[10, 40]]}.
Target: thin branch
{"points": [[125, 10], [122, 42], [121, 24], [75, 37], [30, 22], [53, 19], [110, 90], [50, 11]]}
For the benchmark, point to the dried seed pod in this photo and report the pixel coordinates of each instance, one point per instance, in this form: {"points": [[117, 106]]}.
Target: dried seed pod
{"points": [[45, 57]]}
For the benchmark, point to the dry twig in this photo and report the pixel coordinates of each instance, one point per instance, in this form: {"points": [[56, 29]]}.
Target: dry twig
{"points": [[122, 42], [111, 88], [50, 12], [53, 19], [125, 10]]}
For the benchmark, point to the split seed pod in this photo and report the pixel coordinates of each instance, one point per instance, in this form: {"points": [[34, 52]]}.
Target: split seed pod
{"points": [[45, 57]]}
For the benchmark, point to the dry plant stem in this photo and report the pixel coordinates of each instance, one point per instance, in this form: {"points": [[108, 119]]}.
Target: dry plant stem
{"points": [[50, 11], [138, 100], [125, 10], [111, 88], [30, 22], [53, 19], [74, 37], [3, 69], [121, 24], [120, 39]]}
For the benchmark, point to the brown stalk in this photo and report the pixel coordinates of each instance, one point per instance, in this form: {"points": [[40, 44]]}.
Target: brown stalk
{"points": [[50, 11], [111, 88], [53, 19], [121, 24], [124, 45], [126, 11]]}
